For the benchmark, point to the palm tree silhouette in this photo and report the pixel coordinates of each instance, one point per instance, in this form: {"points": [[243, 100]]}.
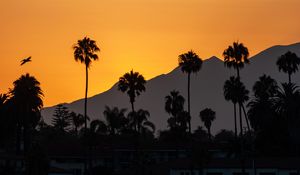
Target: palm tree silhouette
{"points": [[207, 115], [242, 96], [265, 87], [139, 120], [235, 91], [26, 95], [174, 105], [98, 127], [287, 101], [287, 106], [85, 52], [235, 56], [114, 119], [77, 121], [230, 94], [261, 110], [288, 63], [189, 63], [133, 83]]}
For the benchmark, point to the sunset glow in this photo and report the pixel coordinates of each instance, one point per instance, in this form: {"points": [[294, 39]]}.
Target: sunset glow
{"points": [[144, 35]]}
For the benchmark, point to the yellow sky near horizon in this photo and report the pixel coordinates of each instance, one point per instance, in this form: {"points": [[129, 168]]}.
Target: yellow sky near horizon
{"points": [[144, 35]]}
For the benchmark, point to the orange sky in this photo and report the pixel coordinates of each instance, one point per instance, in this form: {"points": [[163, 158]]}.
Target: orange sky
{"points": [[144, 35]]}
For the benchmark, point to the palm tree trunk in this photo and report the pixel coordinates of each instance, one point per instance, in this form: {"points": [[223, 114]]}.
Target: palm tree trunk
{"points": [[189, 102], [235, 122], [18, 138], [238, 72], [85, 98], [242, 140], [86, 162], [246, 117], [134, 117], [289, 77], [132, 105], [209, 133], [25, 139], [76, 130], [190, 118], [241, 120]]}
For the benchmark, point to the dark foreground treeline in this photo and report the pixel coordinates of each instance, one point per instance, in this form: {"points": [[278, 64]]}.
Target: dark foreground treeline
{"points": [[272, 116]]}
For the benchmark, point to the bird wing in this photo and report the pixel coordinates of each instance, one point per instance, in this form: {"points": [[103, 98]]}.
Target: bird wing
{"points": [[29, 58], [23, 62]]}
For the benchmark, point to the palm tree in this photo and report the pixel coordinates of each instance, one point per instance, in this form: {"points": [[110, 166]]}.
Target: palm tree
{"points": [[230, 94], [235, 91], [287, 101], [242, 96], [288, 63], [27, 98], [189, 63], [266, 87], [261, 112], [133, 83], [77, 121], [174, 105], [114, 119], [85, 52], [207, 115], [137, 119], [287, 105], [98, 127], [235, 56]]}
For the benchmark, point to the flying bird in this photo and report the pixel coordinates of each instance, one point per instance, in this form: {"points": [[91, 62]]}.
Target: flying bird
{"points": [[25, 60]]}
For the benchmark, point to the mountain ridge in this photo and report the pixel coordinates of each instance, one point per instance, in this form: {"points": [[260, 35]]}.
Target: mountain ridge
{"points": [[206, 89]]}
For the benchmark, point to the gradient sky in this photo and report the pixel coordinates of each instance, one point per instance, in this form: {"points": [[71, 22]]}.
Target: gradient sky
{"points": [[144, 35]]}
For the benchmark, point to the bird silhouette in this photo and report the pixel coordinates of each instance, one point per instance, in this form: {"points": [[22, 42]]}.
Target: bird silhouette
{"points": [[25, 60]]}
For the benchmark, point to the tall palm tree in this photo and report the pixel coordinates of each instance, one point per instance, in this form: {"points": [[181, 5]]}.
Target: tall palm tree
{"points": [[235, 56], [230, 94], [207, 115], [27, 96], [114, 118], [288, 63], [85, 52], [133, 83], [189, 63], [174, 105], [242, 96]]}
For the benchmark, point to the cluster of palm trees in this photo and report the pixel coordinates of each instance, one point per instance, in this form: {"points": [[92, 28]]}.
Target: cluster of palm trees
{"points": [[273, 112], [116, 122], [272, 115]]}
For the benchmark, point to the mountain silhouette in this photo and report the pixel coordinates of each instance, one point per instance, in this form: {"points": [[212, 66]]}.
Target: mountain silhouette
{"points": [[206, 90]]}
